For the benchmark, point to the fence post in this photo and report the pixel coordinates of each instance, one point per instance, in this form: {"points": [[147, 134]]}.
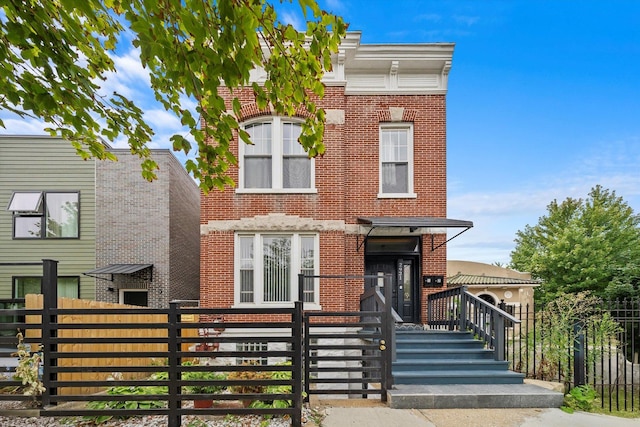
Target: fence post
{"points": [[389, 333], [463, 309], [499, 345], [579, 376], [300, 287], [49, 332], [296, 375], [174, 403], [307, 358]]}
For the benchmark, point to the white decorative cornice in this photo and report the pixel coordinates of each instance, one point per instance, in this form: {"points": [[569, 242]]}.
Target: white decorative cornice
{"points": [[273, 222], [394, 69]]}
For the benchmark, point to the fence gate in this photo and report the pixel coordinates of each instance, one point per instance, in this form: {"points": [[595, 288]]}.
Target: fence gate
{"points": [[346, 354]]}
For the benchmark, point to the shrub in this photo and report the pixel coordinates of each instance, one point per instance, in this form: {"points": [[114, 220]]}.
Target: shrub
{"points": [[247, 376], [582, 397], [129, 404], [28, 369], [202, 376], [276, 389]]}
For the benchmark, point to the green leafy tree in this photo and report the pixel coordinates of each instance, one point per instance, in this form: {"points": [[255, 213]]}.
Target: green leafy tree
{"points": [[557, 325], [580, 245], [54, 54]]}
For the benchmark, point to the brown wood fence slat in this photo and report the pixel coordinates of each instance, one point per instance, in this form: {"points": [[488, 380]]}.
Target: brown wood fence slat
{"points": [[34, 302]]}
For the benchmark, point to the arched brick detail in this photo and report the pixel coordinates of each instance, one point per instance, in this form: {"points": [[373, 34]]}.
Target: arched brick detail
{"points": [[384, 115], [251, 110], [408, 115]]}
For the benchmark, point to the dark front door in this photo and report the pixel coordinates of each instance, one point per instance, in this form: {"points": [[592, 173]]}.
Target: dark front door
{"points": [[403, 281]]}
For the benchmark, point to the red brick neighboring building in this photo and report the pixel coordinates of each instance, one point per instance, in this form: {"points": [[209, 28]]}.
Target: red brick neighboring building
{"points": [[374, 203]]}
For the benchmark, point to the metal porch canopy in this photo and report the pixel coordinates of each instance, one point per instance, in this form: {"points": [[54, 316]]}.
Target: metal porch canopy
{"points": [[413, 223], [112, 269]]}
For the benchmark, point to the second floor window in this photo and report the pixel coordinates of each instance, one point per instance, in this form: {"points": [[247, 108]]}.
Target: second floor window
{"points": [[45, 215], [276, 160], [396, 161]]}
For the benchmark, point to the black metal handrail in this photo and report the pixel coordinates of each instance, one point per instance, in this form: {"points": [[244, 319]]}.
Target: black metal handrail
{"points": [[458, 309], [373, 299]]}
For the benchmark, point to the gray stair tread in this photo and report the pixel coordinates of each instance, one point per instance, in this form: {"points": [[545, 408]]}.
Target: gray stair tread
{"points": [[441, 350], [451, 362], [449, 374], [439, 339], [470, 389]]}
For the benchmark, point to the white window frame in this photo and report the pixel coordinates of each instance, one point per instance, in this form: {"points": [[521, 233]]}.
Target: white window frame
{"points": [[277, 156], [408, 128], [258, 258], [253, 346], [32, 206], [121, 293]]}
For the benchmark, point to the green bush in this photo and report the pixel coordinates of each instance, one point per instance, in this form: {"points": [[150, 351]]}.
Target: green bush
{"points": [[276, 389], [582, 398], [202, 376], [129, 404]]}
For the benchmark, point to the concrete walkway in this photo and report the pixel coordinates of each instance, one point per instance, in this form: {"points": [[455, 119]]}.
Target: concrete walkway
{"points": [[379, 415]]}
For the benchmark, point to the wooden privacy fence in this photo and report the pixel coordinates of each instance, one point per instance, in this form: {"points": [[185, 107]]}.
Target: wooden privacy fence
{"points": [[84, 346]]}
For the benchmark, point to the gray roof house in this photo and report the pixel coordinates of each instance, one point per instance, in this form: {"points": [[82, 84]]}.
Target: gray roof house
{"points": [[116, 237]]}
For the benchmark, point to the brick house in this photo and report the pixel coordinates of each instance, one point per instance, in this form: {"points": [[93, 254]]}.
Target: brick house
{"points": [[374, 203], [116, 237]]}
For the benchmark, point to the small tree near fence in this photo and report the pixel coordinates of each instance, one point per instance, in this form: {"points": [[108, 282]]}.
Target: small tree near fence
{"points": [[559, 325]]}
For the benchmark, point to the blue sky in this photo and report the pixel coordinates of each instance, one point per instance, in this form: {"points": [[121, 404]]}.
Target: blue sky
{"points": [[543, 103]]}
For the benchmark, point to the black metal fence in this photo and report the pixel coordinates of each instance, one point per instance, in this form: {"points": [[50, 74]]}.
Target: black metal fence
{"points": [[603, 352], [167, 367], [166, 381], [345, 355]]}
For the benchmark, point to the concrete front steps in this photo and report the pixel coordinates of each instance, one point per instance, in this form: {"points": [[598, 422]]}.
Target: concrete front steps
{"points": [[473, 396], [451, 369]]}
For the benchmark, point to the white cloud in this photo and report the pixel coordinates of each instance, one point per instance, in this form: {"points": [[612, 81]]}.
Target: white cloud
{"points": [[130, 79], [498, 215], [161, 120], [429, 17], [294, 19], [335, 6], [466, 20], [131, 68], [15, 125]]}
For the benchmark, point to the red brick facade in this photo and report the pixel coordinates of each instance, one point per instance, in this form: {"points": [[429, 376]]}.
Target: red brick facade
{"points": [[347, 184]]}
